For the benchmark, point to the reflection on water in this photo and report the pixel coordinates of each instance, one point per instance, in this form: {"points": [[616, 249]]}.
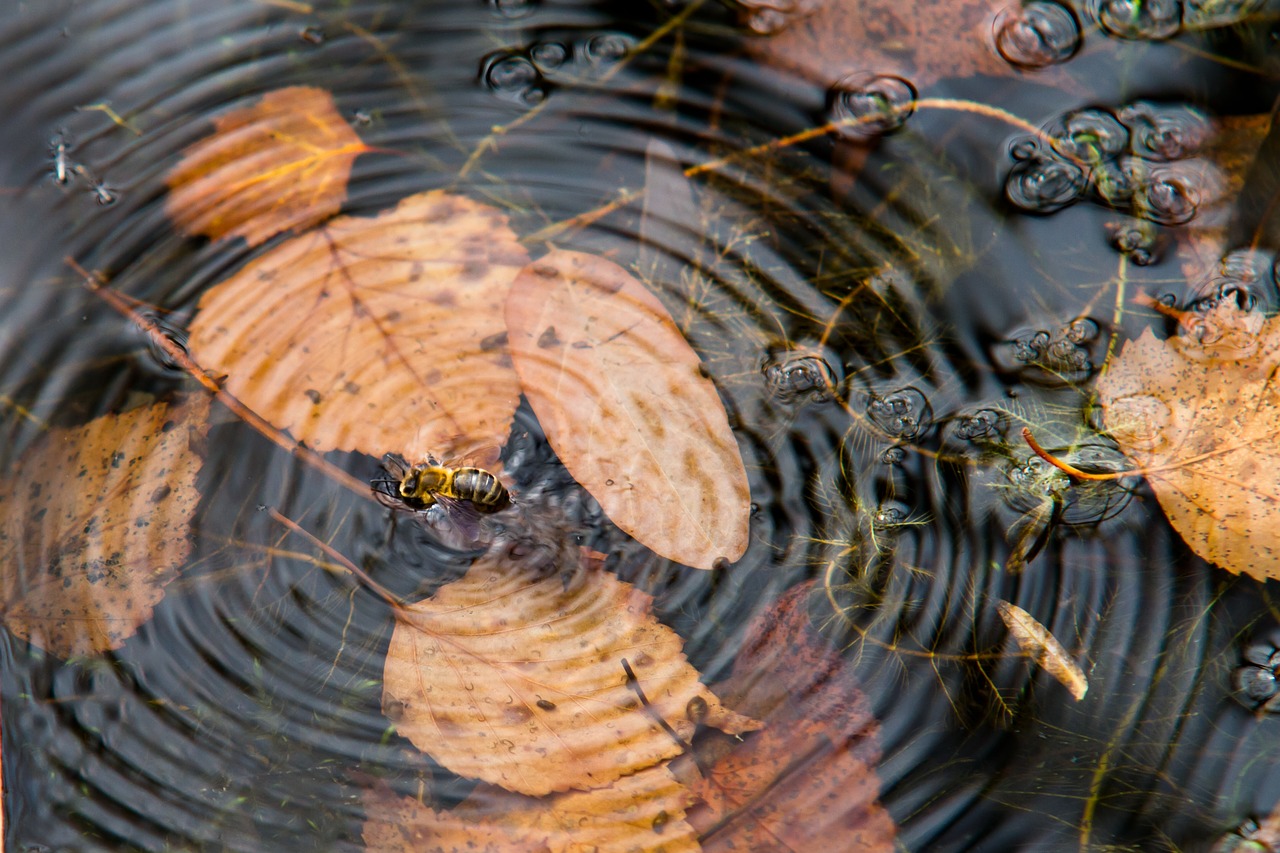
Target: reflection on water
{"points": [[888, 272]]}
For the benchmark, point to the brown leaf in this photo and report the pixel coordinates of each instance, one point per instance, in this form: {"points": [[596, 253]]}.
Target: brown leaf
{"points": [[510, 677], [377, 335], [808, 778], [625, 406], [1043, 648], [280, 164], [96, 524], [643, 813], [1199, 414]]}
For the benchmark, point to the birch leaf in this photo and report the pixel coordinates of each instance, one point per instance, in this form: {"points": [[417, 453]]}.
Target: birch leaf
{"points": [[377, 335], [509, 677], [625, 406], [280, 164], [96, 523]]}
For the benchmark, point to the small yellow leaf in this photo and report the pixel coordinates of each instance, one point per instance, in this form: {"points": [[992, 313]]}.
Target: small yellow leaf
{"points": [[1043, 648]]}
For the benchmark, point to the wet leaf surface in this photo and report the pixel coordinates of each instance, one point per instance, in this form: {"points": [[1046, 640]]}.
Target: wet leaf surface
{"points": [[627, 408], [1199, 414], [96, 523], [1043, 648], [281, 164], [641, 812], [377, 335], [517, 678], [808, 778]]}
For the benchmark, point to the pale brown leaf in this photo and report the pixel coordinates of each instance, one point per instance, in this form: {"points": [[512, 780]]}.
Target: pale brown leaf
{"points": [[377, 335], [95, 523], [510, 677], [642, 813], [280, 164], [1199, 414], [627, 408], [1043, 648]]}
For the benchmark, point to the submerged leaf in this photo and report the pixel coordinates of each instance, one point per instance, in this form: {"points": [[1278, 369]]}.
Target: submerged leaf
{"points": [[96, 523], [625, 405], [1199, 414], [807, 782], [377, 335], [280, 164], [511, 677], [641, 813], [1043, 648]]}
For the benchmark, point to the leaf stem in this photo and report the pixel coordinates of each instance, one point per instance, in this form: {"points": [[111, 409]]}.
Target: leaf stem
{"points": [[1066, 467]]}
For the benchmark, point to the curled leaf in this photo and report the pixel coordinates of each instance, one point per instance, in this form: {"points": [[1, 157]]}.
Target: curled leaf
{"points": [[508, 676], [1199, 414], [280, 164], [625, 405], [1043, 648], [375, 335], [96, 522]]}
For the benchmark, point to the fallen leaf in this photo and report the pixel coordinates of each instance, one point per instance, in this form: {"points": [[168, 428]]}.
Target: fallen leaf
{"points": [[280, 164], [642, 813], [95, 524], [807, 782], [625, 405], [377, 335], [517, 678], [1043, 648], [1199, 415]]}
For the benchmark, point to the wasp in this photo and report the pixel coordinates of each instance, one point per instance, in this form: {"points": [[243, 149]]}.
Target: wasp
{"points": [[420, 487]]}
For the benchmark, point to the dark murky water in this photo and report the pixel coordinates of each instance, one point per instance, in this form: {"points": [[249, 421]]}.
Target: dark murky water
{"points": [[956, 273]]}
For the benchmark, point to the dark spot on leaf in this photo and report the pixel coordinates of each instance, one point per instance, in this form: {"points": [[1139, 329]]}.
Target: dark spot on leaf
{"points": [[493, 342], [415, 271], [160, 493], [474, 270], [351, 388], [660, 821], [313, 395], [545, 271], [168, 425], [546, 706], [548, 338], [116, 459]]}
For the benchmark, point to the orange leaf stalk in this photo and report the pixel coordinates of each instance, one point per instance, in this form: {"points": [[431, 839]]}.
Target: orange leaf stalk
{"points": [[1066, 467], [123, 304]]}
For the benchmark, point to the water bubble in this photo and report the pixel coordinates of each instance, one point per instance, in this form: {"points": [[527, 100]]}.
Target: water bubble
{"points": [[903, 414], [1024, 149], [512, 8], [1256, 682], [764, 21], [1088, 136], [1168, 195], [799, 375], [1063, 354], [1135, 238], [513, 78], [1138, 19], [1081, 330], [871, 105], [548, 55], [887, 516], [1036, 34], [1166, 131], [1031, 348], [893, 455], [1243, 276], [1086, 502], [1044, 184], [984, 423], [607, 48]]}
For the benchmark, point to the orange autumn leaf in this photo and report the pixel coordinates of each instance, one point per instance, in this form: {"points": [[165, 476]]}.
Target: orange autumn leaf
{"points": [[627, 407], [809, 776], [377, 335], [516, 677], [1199, 415], [641, 813], [96, 522], [1043, 648], [280, 164]]}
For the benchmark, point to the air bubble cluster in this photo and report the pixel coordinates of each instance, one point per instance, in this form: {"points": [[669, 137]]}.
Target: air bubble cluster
{"points": [[1153, 20], [1136, 239], [1084, 503], [1141, 159], [982, 424], [526, 76], [903, 415], [799, 376], [1248, 277], [1064, 353], [1256, 682]]}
